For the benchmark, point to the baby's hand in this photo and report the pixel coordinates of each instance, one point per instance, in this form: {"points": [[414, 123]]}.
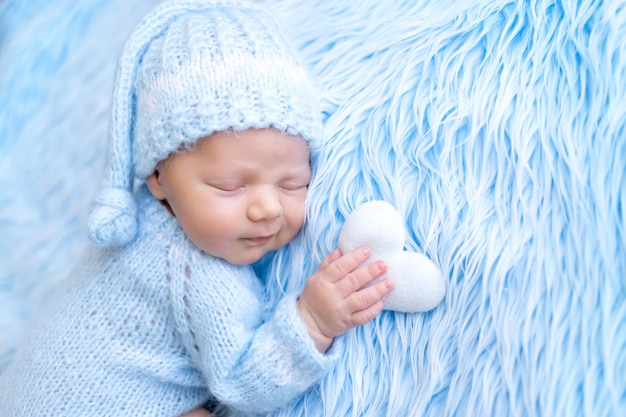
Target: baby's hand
{"points": [[334, 301]]}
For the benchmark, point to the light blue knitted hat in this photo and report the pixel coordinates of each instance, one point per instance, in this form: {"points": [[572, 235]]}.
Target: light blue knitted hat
{"points": [[192, 68]]}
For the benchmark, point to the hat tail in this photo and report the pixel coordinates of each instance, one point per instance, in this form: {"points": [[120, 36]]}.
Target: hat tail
{"points": [[113, 218]]}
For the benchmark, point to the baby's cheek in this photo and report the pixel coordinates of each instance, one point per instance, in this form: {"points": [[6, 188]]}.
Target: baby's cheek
{"points": [[291, 229], [294, 210]]}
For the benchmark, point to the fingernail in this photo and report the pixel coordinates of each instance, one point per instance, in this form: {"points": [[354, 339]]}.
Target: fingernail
{"points": [[365, 251], [382, 266], [389, 284]]}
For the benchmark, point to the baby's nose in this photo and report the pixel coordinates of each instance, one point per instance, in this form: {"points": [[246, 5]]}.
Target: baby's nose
{"points": [[265, 205]]}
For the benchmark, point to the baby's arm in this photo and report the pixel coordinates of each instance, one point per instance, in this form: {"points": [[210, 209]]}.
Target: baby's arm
{"points": [[334, 301], [252, 360]]}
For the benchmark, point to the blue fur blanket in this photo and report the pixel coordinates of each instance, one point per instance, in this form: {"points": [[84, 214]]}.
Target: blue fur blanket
{"points": [[498, 130]]}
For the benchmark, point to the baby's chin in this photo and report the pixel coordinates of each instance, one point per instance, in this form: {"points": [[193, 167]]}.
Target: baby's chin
{"points": [[247, 257]]}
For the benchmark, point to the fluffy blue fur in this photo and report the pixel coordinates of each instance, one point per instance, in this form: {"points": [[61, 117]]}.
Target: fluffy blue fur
{"points": [[497, 128]]}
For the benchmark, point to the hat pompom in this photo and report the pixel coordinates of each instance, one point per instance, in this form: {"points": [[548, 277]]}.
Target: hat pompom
{"points": [[113, 219]]}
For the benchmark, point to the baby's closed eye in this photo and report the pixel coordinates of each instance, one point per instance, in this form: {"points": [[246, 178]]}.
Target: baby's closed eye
{"points": [[226, 186], [293, 185]]}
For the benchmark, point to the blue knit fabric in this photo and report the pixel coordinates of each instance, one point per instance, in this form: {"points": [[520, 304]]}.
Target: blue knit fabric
{"points": [[152, 328]]}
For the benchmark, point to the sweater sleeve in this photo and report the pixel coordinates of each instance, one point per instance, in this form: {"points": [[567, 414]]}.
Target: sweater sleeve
{"points": [[250, 362]]}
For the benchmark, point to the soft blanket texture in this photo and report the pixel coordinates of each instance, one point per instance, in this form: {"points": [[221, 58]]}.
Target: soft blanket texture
{"points": [[497, 129]]}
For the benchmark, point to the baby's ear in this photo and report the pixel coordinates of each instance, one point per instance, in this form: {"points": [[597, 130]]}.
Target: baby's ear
{"points": [[154, 184]]}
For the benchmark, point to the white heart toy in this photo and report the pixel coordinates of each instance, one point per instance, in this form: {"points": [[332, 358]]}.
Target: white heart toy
{"points": [[418, 283]]}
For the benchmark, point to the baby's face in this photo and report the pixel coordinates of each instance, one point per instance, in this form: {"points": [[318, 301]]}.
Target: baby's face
{"points": [[238, 195]]}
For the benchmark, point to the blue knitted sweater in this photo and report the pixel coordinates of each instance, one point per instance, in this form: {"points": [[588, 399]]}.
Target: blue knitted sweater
{"points": [[154, 328]]}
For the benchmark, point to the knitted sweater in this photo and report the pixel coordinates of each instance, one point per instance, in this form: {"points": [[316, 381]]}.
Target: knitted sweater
{"points": [[154, 328]]}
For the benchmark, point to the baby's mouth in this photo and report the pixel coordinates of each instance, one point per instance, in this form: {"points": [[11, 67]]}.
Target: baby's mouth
{"points": [[260, 240]]}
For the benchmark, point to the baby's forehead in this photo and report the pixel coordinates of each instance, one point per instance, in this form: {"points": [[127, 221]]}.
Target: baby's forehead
{"points": [[228, 144]]}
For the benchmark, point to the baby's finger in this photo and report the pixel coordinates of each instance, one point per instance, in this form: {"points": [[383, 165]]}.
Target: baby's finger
{"points": [[365, 316], [363, 302], [360, 278], [330, 258], [343, 266]]}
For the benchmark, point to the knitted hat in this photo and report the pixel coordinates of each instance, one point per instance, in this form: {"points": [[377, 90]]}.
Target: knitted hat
{"points": [[192, 68]]}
